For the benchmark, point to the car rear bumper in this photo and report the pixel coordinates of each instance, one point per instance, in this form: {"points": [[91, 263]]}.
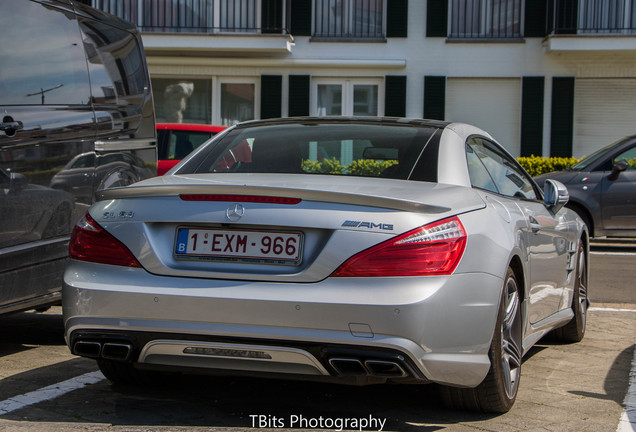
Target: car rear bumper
{"points": [[427, 328]]}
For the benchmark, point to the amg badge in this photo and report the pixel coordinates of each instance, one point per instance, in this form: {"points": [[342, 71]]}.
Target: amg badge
{"points": [[370, 225]]}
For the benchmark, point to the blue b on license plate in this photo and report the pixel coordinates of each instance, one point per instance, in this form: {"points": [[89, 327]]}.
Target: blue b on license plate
{"points": [[239, 245]]}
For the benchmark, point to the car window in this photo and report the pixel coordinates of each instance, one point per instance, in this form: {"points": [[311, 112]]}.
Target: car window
{"points": [[35, 35], [629, 156], [479, 176], [83, 162], [109, 158], [588, 161], [114, 61], [198, 138], [507, 177], [315, 148]]}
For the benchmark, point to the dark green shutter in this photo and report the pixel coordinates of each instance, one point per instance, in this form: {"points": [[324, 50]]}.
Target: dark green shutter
{"points": [[271, 96], [434, 97], [532, 116], [437, 18], [562, 127], [397, 16], [298, 95], [271, 16], [300, 17], [395, 96], [535, 18]]}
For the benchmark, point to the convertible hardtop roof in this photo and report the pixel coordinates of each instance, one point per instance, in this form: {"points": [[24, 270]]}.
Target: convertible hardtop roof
{"points": [[341, 119]]}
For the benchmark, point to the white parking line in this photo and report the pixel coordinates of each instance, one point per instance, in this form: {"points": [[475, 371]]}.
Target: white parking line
{"points": [[49, 392], [601, 309], [614, 253], [627, 422]]}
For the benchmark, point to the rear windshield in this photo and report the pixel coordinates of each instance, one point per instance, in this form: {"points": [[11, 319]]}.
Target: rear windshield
{"points": [[368, 150]]}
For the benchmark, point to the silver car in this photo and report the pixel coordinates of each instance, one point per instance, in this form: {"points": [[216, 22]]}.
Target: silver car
{"points": [[354, 250]]}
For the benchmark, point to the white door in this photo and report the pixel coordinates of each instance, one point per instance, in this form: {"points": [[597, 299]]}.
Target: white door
{"points": [[491, 104], [604, 111]]}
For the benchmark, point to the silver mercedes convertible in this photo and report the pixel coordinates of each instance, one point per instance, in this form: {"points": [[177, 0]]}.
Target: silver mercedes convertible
{"points": [[353, 250]]}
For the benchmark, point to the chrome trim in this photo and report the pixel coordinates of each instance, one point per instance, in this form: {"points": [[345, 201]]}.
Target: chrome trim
{"points": [[235, 212], [127, 144], [281, 359]]}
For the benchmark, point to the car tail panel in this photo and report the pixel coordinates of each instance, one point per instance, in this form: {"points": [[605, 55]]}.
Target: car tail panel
{"points": [[272, 231]]}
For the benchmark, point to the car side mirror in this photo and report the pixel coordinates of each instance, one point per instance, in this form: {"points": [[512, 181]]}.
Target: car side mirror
{"points": [[555, 194], [17, 182], [617, 168]]}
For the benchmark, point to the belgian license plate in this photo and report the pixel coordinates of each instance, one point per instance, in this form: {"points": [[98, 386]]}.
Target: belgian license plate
{"points": [[237, 245]]}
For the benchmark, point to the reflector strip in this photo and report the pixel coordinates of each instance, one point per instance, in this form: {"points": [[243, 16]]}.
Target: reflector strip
{"points": [[241, 198], [221, 352]]}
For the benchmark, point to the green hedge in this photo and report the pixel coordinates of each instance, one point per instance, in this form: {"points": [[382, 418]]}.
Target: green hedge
{"points": [[536, 165], [360, 167]]}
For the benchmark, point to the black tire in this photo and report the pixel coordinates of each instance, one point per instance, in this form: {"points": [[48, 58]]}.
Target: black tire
{"points": [[574, 330], [498, 391]]}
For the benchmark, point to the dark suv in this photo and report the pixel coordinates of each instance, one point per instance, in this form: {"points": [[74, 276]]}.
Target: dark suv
{"points": [[73, 81]]}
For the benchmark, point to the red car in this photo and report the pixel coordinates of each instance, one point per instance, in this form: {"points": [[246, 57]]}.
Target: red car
{"points": [[176, 140]]}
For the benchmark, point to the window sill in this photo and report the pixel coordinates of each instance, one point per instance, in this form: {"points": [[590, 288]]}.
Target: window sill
{"points": [[348, 39], [486, 40]]}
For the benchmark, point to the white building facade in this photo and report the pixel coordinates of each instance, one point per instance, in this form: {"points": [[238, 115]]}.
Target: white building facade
{"points": [[544, 77]]}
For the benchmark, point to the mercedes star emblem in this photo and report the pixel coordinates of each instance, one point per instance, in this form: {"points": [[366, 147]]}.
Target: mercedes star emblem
{"points": [[235, 212]]}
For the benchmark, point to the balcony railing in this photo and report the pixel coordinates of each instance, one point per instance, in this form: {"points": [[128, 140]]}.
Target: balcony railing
{"points": [[349, 19], [485, 19], [591, 17], [199, 16]]}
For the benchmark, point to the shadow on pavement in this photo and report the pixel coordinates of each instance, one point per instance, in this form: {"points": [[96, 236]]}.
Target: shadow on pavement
{"points": [[32, 328], [617, 379], [206, 401]]}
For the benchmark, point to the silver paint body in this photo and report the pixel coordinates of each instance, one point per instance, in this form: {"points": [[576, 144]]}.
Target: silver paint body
{"points": [[443, 324]]}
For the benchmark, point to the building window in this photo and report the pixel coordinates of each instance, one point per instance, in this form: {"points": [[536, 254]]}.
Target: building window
{"points": [[238, 15], [486, 19], [349, 19], [237, 102], [329, 99], [365, 100], [182, 101], [607, 16], [206, 16], [347, 97]]}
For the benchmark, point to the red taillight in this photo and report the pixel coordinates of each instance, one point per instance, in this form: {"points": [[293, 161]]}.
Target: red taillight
{"points": [[91, 242], [241, 198], [434, 249]]}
